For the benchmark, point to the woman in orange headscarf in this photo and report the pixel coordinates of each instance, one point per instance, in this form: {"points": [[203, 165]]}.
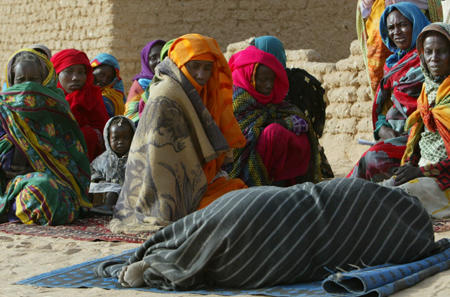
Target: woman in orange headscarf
{"points": [[185, 132]]}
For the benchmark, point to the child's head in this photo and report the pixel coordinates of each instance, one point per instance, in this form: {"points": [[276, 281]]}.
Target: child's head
{"points": [[104, 75], [27, 67], [120, 135]]}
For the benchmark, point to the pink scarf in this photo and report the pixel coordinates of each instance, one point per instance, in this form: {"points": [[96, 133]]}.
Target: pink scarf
{"points": [[242, 65]]}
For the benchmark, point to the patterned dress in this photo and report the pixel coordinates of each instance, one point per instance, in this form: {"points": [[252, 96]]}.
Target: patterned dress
{"points": [[36, 121]]}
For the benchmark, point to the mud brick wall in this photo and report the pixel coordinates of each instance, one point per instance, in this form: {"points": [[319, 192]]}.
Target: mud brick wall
{"points": [[83, 24], [123, 27]]}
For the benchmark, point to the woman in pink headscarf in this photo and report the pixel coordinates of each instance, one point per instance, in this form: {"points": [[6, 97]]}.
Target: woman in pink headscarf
{"points": [[279, 145]]}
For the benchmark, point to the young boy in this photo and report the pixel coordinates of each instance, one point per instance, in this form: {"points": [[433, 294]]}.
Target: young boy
{"points": [[108, 169]]}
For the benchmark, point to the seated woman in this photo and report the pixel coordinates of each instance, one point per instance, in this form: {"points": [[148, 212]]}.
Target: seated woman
{"points": [[305, 92], [397, 93], [145, 95], [44, 169], [425, 169], [150, 55], [186, 129], [266, 236], [85, 99], [106, 73], [280, 144], [368, 16]]}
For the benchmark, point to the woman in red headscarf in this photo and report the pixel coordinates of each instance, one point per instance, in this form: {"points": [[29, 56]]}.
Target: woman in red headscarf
{"points": [[280, 148], [85, 99]]}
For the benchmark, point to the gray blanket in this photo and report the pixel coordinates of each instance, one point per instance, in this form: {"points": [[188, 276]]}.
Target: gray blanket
{"points": [[264, 236]]}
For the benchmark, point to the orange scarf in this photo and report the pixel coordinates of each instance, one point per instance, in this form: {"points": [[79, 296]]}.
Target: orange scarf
{"points": [[216, 94], [435, 118]]}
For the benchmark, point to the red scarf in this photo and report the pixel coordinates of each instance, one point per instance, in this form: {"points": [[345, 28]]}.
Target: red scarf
{"points": [[86, 98]]}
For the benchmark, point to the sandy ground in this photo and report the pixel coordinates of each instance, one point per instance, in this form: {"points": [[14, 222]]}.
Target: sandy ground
{"points": [[25, 256]]}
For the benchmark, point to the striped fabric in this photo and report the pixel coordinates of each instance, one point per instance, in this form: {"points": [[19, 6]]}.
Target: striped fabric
{"points": [[264, 236]]}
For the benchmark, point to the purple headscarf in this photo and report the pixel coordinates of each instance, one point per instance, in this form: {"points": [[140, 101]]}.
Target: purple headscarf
{"points": [[146, 72]]}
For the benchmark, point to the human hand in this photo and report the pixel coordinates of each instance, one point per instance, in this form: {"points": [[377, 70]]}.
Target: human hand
{"points": [[387, 133], [299, 125], [406, 173]]}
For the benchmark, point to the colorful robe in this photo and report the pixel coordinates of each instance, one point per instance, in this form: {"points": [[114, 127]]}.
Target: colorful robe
{"points": [[253, 118], [396, 99], [114, 93], [36, 120]]}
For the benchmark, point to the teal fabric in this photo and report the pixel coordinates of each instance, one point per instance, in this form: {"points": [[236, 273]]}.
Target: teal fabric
{"points": [[272, 45]]}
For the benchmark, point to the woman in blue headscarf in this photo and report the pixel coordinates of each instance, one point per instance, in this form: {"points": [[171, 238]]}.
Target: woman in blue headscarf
{"points": [[107, 77], [397, 93]]}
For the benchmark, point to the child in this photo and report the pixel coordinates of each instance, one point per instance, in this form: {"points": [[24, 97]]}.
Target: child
{"points": [[108, 169], [107, 77]]}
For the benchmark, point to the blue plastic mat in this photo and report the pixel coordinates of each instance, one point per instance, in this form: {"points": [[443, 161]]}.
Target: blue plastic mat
{"points": [[382, 280]]}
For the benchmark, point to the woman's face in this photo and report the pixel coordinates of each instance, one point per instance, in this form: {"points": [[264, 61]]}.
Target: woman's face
{"points": [[264, 80], [399, 30], [436, 51], [153, 56], [73, 78], [103, 75], [27, 71], [201, 71]]}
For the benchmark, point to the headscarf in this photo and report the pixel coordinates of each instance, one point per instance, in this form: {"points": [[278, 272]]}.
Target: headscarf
{"points": [[146, 72], [272, 45], [114, 92], [436, 118], [83, 97], [217, 93], [440, 27], [43, 64], [43, 48], [418, 21], [165, 49], [242, 65]]}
